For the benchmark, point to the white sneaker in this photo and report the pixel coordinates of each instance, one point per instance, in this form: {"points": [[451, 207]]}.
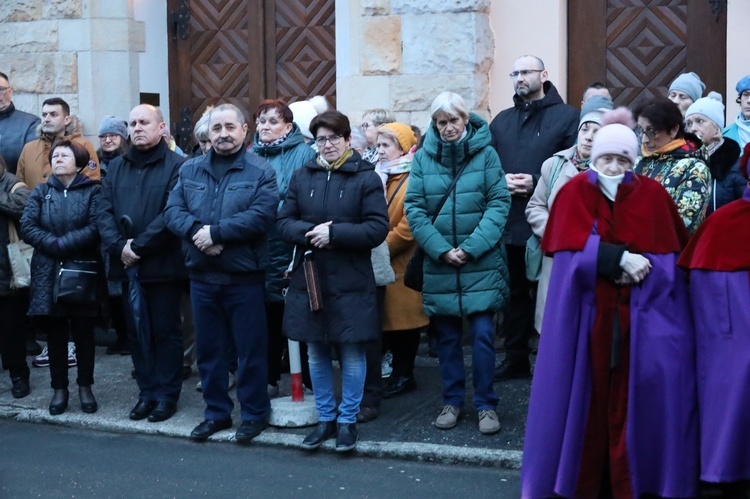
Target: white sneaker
{"points": [[41, 360], [386, 365], [72, 360]]}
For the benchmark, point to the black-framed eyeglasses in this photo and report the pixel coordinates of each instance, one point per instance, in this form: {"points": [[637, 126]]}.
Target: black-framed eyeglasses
{"points": [[333, 139], [524, 72], [651, 134], [365, 126], [108, 136]]}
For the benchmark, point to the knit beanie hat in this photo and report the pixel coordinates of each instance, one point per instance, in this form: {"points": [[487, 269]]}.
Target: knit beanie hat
{"points": [[743, 84], [303, 113], [594, 108], [404, 135], [113, 124], [616, 136], [709, 106], [690, 83]]}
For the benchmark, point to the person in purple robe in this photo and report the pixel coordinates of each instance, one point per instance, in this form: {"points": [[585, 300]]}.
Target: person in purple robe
{"points": [[613, 409], [718, 260]]}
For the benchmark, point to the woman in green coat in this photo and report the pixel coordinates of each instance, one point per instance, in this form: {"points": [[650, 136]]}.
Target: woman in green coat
{"points": [[465, 269]]}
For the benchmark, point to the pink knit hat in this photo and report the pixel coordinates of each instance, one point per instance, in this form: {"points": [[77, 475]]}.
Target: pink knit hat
{"points": [[616, 136]]}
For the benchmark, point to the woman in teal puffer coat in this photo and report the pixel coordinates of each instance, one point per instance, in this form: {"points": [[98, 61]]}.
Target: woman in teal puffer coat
{"points": [[465, 269], [279, 141]]}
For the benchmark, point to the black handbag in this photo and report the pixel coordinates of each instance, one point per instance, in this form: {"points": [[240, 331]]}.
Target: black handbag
{"points": [[77, 282], [414, 273]]}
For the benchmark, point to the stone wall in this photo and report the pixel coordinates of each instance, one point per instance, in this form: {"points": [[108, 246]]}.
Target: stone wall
{"points": [[409, 51], [85, 51]]}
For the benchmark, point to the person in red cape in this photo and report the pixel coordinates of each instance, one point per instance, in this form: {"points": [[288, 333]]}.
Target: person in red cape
{"points": [[613, 407], [719, 263]]}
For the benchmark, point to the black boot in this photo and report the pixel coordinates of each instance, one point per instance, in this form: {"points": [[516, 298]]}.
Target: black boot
{"points": [[320, 434], [21, 387], [59, 401], [346, 437], [88, 402]]}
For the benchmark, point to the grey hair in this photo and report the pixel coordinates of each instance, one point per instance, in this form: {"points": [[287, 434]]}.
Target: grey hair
{"points": [[229, 107], [451, 104], [380, 116], [359, 141], [201, 127]]}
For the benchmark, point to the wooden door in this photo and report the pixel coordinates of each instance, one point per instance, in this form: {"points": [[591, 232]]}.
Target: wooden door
{"points": [[637, 47], [244, 51]]}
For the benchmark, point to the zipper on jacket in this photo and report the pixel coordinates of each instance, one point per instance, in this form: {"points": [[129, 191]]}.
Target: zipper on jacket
{"points": [[325, 191]]}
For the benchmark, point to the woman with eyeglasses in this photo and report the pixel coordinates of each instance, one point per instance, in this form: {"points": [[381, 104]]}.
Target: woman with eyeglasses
{"points": [[335, 214], [705, 118], [279, 141], [371, 120], [674, 158]]}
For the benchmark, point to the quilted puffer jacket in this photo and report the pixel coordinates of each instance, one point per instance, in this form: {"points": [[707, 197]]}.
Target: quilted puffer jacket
{"points": [[60, 223]]}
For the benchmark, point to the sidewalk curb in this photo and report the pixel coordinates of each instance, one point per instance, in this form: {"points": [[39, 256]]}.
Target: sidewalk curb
{"points": [[413, 451]]}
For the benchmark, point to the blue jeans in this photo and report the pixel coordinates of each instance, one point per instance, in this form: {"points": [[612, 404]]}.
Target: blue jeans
{"points": [[451, 358], [226, 315], [353, 369]]}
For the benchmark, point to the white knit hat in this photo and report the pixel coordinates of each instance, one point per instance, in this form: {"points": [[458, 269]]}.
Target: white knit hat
{"points": [[710, 107]]}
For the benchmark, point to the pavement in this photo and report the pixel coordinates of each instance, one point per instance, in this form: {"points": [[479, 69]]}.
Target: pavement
{"points": [[404, 429]]}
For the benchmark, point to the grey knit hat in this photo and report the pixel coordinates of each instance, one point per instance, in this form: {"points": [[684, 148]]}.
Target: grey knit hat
{"points": [[690, 83], [594, 108], [113, 124]]}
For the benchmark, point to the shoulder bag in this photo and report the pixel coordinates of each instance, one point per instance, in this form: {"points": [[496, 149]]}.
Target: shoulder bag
{"points": [[77, 282], [534, 253], [19, 254]]}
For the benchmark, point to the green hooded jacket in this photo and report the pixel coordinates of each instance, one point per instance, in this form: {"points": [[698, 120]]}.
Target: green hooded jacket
{"points": [[472, 219]]}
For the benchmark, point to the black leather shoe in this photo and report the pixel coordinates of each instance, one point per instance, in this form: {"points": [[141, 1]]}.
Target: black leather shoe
{"points": [[398, 385], [248, 430], [59, 401], [162, 411], [367, 413], [320, 434], [88, 402], [207, 428], [346, 437], [506, 371], [20, 388], [142, 409]]}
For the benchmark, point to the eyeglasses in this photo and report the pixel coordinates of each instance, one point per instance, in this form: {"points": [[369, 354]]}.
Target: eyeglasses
{"points": [[365, 126], [4, 89], [651, 134], [524, 72], [108, 137], [333, 139]]}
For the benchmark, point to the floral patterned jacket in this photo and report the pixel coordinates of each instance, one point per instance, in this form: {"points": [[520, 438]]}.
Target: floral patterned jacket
{"points": [[685, 175]]}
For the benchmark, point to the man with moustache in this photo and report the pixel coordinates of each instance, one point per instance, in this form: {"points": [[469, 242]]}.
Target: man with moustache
{"points": [[222, 208], [137, 185], [538, 125]]}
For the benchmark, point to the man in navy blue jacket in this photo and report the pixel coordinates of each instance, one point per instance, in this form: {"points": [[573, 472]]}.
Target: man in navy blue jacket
{"points": [[538, 125], [222, 208]]}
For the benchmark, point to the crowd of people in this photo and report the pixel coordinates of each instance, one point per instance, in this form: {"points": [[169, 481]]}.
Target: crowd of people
{"points": [[615, 234]]}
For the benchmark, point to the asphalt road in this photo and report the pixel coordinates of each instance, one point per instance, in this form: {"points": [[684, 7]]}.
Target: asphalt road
{"points": [[58, 462]]}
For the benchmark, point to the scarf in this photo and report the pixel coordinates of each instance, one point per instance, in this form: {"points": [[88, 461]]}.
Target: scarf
{"points": [[580, 163], [274, 142], [743, 129], [608, 183], [672, 146], [336, 164], [397, 166]]}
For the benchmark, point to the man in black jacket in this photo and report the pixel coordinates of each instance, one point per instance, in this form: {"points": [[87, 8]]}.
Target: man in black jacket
{"points": [[136, 186], [537, 126], [16, 127], [222, 208]]}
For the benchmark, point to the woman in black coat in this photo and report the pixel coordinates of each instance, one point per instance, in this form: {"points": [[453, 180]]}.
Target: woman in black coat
{"points": [[334, 213], [60, 223]]}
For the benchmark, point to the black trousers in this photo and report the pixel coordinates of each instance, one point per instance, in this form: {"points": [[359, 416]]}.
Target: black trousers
{"points": [[58, 330], [277, 344], [404, 346], [373, 356], [159, 376], [13, 333], [518, 322]]}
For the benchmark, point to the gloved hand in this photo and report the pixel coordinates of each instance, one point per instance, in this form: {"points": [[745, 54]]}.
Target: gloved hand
{"points": [[635, 266]]}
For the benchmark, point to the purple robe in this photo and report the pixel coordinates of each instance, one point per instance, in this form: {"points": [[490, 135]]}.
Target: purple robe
{"points": [[721, 311], [662, 425]]}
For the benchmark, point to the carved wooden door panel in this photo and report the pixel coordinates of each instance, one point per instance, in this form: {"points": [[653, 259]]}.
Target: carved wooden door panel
{"points": [[637, 47], [244, 51]]}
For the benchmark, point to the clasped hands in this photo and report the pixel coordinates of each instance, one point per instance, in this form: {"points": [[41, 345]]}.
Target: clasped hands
{"points": [[320, 235], [202, 240], [519, 184], [635, 268], [456, 257]]}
